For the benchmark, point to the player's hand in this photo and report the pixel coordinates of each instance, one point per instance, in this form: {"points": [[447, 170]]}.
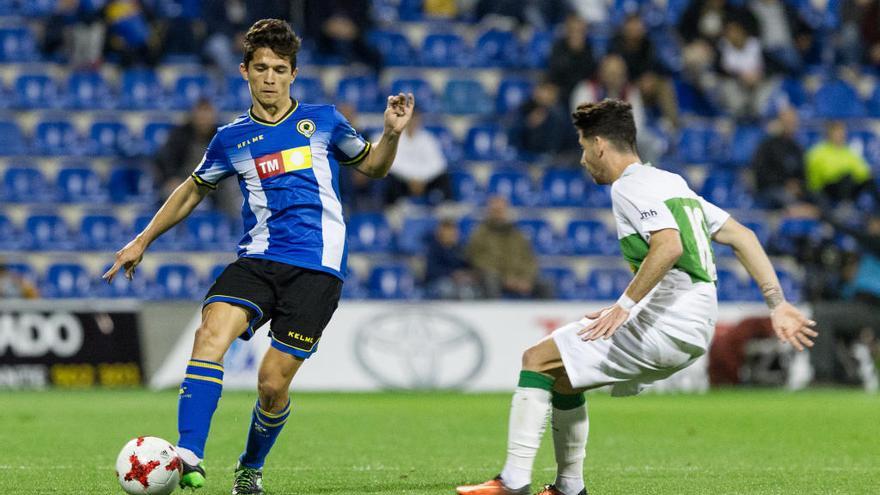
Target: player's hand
{"points": [[128, 258], [792, 326], [399, 111], [605, 322]]}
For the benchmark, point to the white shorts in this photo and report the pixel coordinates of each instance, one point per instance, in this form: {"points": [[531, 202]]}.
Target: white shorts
{"points": [[666, 332]]}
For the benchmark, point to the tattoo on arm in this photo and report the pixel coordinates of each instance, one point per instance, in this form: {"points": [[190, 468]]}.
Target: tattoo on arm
{"points": [[773, 295]]}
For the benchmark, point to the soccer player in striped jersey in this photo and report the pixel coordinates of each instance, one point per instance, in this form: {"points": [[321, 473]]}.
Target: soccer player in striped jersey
{"points": [[286, 156], [662, 322]]}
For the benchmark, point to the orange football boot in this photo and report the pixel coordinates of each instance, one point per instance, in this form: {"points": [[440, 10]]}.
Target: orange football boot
{"points": [[492, 487]]}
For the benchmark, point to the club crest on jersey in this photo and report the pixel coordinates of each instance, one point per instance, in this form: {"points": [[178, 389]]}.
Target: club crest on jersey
{"points": [[283, 161], [306, 127]]}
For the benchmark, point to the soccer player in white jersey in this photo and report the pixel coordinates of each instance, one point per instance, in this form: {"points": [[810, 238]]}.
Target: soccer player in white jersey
{"points": [[287, 157], [661, 324]]}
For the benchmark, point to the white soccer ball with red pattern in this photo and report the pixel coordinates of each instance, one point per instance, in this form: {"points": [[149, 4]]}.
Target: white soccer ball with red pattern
{"points": [[148, 466]]}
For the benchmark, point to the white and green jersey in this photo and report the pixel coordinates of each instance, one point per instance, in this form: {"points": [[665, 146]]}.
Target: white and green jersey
{"points": [[646, 200]]}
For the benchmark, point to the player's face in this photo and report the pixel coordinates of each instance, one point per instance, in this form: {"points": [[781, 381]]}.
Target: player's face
{"points": [[269, 77], [590, 158]]}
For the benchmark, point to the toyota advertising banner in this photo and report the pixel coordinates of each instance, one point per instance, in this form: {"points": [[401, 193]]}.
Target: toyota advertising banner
{"points": [[69, 344], [435, 345]]}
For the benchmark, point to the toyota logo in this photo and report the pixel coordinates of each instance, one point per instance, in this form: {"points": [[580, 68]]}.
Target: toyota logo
{"points": [[419, 349]]}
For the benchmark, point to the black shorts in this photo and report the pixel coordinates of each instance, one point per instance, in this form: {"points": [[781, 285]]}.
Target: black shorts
{"points": [[299, 301]]}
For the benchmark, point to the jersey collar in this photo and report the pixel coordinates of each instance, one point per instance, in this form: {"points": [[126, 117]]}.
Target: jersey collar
{"points": [[294, 105], [630, 169]]}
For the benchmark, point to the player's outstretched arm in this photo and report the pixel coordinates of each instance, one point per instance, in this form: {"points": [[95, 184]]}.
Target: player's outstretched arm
{"points": [[788, 322], [397, 115], [177, 207]]}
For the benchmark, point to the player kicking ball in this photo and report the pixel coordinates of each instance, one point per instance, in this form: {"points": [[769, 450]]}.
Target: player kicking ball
{"points": [[661, 324], [287, 157]]}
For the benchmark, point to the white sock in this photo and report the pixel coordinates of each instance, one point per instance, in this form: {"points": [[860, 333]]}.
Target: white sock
{"points": [[528, 418], [188, 456], [570, 429]]}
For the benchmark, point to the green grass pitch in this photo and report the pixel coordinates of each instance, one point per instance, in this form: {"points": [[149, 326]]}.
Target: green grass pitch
{"points": [[748, 442]]}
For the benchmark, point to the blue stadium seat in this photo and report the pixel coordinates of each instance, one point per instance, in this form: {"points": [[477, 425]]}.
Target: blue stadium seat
{"points": [[190, 89], [410, 10], [80, 185], [48, 232], [590, 237], [37, 91], [496, 48], [465, 97], [237, 96], [700, 144], [692, 101], [89, 91], [445, 50], [17, 44], [538, 48], [866, 143], [607, 283], [155, 134], [392, 281], [451, 149], [873, 103], [792, 233], [26, 185], [23, 270], [564, 187], [394, 48], [564, 282], [415, 233], [130, 185], [725, 189], [466, 226], [420, 88], [512, 93], [597, 196], [177, 281], [10, 237], [210, 231], [790, 93], [362, 92], [141, 90], [488, 142], [369, 232], [836, 99], [307, 90], [353, 288], [176, 239], [121, 287], [12, 141], [67, 280], [743, 144], [513, 184], [110, 138], [465, 187], [56, 138], [791, 285], [101, 233], [37, 8], [540, 234], [730, 287]]}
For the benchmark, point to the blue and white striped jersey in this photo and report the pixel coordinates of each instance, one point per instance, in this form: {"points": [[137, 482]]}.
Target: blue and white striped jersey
{"points": [[289, 176]]}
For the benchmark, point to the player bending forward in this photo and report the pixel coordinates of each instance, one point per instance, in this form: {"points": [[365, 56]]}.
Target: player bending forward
{"points": [[286, 156], [661, 324]]}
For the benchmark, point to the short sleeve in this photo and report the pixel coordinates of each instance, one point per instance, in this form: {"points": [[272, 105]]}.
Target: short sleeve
{"points": [[214, 166], [715, 216], [349, 146], [644, 213]]}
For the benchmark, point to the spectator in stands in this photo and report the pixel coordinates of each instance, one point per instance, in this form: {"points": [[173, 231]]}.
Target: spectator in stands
{"points": [[778, 164], [834, 171], [419, 170], [592, 11], [784, 36], [228, 20], [503, 256], [359, 192], [76, 32], [130, 35], [539, 14], [14, 286], [339, 28], [703, 20], [448, 275], [867, 37], [571, 59], [744, 89], [543, 126]]}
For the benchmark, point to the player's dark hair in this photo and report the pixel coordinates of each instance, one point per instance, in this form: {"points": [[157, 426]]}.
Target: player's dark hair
{"points": [[274, 34], [610, 119]]}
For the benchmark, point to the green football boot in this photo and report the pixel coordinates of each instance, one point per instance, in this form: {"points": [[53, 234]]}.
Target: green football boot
{"points": [[248, 481], [193, 476]]}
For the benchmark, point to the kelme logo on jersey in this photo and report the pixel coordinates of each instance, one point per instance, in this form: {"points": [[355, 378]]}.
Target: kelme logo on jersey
{"points": [[306, 127], [284, 161]]}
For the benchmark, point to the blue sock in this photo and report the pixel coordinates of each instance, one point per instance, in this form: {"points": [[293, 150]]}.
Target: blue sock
{"points": [[264, 429], [199, 394]]}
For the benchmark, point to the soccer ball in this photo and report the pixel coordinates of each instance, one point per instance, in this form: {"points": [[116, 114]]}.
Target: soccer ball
{"points": [[148, 465]]}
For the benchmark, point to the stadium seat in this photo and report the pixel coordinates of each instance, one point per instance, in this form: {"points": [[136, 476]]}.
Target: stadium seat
{"points": [[111, 139], [795, 233], [488, 142], [237, 96], [607, 283], [465, 187], [56, 138], [564, 282], [67, 280], [700, 144], [451, 149], [80, 185], [38, 8], [513, 184], [369, 233], [26, 185], [23, 270], [190, 89], [89, 91], [597, 196], [410, 10], [362, 92], [394, 48], [177, 281], [155, 134], [37, 92], [466, 226], [306, 90], [101, 233], [730, 288], [445, 50], [48, 232], [420, 88], [130, 185], [141, 90], [176, 239], [540, 234], [465, 97], [743, 145], [415, 233], [590, 237], [10, 237], [17, 44], [353, 288], [865, 143], [537, 50], [12, 141], [836, 99], [392, 281], [873, 103], [724, 189], [564, 187], [496, 48], [512, 93], [210, 231]]}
